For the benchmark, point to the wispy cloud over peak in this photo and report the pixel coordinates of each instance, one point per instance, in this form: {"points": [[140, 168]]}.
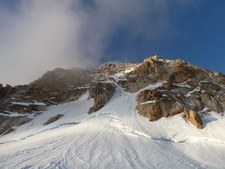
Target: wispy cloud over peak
{"points": [[39, 35]]}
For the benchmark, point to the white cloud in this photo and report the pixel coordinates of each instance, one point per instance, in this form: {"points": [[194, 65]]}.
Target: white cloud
{"points": [[39, 35]]}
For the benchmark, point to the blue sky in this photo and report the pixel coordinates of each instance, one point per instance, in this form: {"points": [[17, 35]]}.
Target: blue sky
{"points": [[200, 39], [40, 35]]}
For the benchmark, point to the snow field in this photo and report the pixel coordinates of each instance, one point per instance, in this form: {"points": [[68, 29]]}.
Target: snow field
{"points": [[114, 137]]}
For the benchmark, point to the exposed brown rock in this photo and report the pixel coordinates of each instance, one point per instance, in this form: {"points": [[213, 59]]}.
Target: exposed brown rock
{"points": [[210, 87], [185, 86], [219, 77], [4, 91], [38, 106], [108, 68], [158, 106], [196, 102], [9, 130], [211, 102], [102, 93], [221, 99], [148, 95], [36, 93], [60, 85], [21, 109], [168, 86], [123, 83], [146, 73], [53, 119], [150, 110], [177, 110], [181, 70], [194, 119], [59, 79], [166, 105]]}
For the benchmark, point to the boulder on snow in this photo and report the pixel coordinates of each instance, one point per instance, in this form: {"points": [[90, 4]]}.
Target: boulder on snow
{"points": [[193, 117], [53, 119], [9, 130]]}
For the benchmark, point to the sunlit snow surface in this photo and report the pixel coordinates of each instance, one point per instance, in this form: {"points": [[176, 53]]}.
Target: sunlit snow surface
{"points": [[114, 137]]}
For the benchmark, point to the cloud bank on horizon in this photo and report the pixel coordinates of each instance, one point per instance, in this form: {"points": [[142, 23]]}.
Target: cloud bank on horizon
{"points": [[40, 35]]}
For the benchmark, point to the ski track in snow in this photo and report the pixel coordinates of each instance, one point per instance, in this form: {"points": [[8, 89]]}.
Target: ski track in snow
{"points": [[114, 137]]}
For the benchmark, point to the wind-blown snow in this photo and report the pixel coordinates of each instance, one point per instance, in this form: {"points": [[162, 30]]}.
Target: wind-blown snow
{"points": [[114, 137]]}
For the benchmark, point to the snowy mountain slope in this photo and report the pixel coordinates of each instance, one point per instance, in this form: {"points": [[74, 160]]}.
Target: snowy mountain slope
{"points": [[116, 136]]}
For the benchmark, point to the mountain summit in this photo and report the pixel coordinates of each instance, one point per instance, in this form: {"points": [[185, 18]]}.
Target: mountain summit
{"points": [[129, 100]]}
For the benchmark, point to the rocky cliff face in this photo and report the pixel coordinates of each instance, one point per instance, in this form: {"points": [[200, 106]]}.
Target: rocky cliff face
{"points": [[101, 93], [184, 88]]}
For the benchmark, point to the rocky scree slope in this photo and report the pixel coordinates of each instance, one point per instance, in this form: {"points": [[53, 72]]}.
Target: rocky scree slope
{"points": [[183, 89]]}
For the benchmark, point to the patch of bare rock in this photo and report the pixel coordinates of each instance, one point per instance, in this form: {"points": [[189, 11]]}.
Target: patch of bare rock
{"points": [[185, 87], [101, 93], [60, 85], [4, 91], [7, 123], [53, 119], [193, 117]]}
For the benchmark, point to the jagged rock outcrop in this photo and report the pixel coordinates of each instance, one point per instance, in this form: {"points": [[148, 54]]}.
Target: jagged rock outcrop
{"points": [[101, 93], [211, 102], [54, 87], [155, 69], [60, 85], [4, 91], [186, 87], [168, 100], [151, 111], [183, 87], [60, 79], [193, 117], [154, 105], [15, 94], [177, 110], [149, 95], [112, 69]]}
